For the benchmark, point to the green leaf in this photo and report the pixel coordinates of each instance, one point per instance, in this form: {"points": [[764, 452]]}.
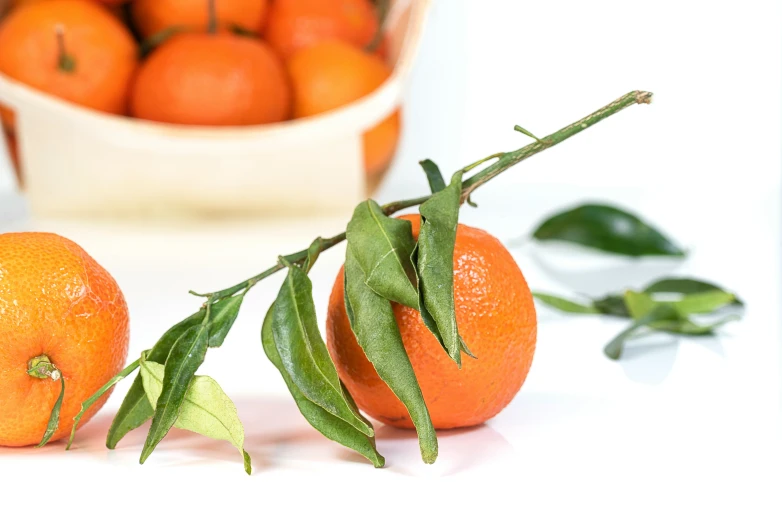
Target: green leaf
{"points": [[373, 323], [565, 305], [54, 418], [330, 426], [433, 175], [304, 354], [186, 356], [383, 248], [612, 305], [136, 409], [614, 349], [685, 286], [609, 229], [206, 409], [132, 367], [639, 304], [436, 240], [159, 38], [684, 326], [222, 317]]}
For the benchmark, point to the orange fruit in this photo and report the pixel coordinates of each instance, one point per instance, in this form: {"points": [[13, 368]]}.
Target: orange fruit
{"points": [[496, 318], [295, 24], [113, 5], [152, 16], [73, 49], [212, 79], [55, 301], [332, 74]]}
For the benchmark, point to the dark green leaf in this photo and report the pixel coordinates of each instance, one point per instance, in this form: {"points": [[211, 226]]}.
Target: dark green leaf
{"points": [[303, 352], [436, 240], [684, 286], [383, 248], [54, 418], [159, 38], [660, 313], [221, 319], [132, 367], [330, 426], [186, 356], [433, 175], [565, 305], [609, 229], [136, 409], [372, 320], [206, 408], [612, 305]]}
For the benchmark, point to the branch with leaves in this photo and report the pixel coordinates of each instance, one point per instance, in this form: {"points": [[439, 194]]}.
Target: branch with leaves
{"points": [[384, 264]]}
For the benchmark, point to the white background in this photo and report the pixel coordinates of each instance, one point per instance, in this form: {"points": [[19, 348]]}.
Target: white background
{"points": [[679, 430]]}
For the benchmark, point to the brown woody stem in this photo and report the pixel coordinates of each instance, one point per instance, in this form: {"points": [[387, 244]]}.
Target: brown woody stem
{"points": [[504, 162]]}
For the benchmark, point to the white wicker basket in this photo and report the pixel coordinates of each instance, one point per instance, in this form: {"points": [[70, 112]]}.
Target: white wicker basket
{"points": [[82, 163]]}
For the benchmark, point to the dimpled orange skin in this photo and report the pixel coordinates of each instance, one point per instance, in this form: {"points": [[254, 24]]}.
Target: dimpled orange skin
{"points": [[293, 25], [329, 75], [496, 317], [58, 301], [103, 49], [153, 16], [212, 79]]}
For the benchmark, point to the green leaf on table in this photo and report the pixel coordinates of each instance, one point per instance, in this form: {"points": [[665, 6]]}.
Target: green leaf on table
{"points": [[136, 409], [684, 326], [383, 248], [433, 175], [372, 321], [685, 286], [186, 357], [609, 229], [565, 305], [222, 318], [54, 417], [665, 312], [330, 426], [640, 303], [434, 259], [612, 305], [303, 352], [206, 409]]}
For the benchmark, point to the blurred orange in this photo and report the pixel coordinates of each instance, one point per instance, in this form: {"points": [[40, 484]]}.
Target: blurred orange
{"points": [[212, 79], [72, 49], [332, 74], [297, 24], [153, 16]]}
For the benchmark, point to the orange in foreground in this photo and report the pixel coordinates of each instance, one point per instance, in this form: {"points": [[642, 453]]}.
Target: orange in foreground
{"points": [[212, 79], [55, 301], [73, 49], [496, 318], [296, 24], [332, 74], [152, 16]]}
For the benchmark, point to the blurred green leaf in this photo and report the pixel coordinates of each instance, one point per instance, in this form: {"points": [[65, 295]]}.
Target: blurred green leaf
{"points": [[608, 229], [614, 349], [206, 409], [304, 354], [612, 305], [383, 247], [565, 305], [685, 286], [373, 323], [330, 426]]}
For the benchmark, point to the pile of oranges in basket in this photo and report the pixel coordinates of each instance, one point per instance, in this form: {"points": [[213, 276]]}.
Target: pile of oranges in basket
{"points": [[202, 62]]}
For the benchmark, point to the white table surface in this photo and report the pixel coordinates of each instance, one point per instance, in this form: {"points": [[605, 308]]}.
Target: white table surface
{"points": [[680, 429]]}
